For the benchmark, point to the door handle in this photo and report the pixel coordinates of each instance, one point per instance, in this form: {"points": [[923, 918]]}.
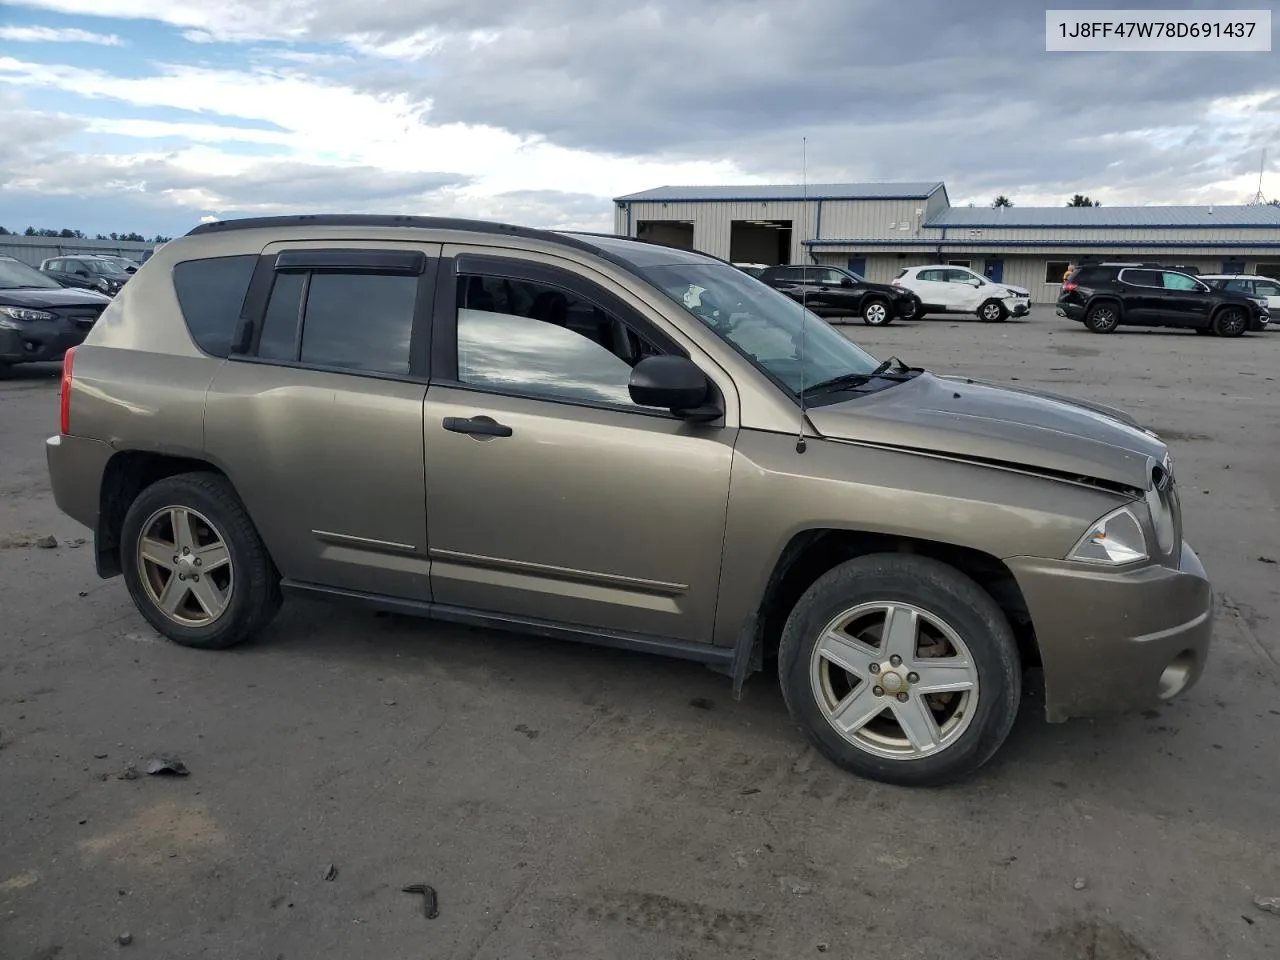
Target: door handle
{"points": [[477, 426]]}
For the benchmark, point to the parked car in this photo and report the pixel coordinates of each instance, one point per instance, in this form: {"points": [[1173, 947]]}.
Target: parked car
{"points": [[87, 272], [1105, 296], [947, 289], [752, 269], [1260, 288], [39, 319], [833, 291], [124, 263], [604, 440]]}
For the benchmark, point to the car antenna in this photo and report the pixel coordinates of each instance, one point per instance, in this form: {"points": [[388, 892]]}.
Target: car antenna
{"points": [[804, 287]]}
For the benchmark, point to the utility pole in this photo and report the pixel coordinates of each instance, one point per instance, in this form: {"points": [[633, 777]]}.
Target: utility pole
{"points": [[1258, 197]]}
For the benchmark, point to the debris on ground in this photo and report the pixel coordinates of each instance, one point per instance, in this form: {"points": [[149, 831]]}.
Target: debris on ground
{"points": [[10, 541], [169, 766], [527, 731], [702, 703], [130, 773], [1268, 904], [750, 791], [1265, 560], [823, 948], [75, 543], [124, 939], [793, 886], [47, 543], [331, 873], [388, 703], [430, 905], [1080, 883]]}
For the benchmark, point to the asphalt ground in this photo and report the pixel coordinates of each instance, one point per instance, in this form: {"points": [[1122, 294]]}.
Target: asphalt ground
{"points": [[566, 801]]}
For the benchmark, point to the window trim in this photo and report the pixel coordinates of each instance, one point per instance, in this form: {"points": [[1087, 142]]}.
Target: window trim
{"points": [[253, 311], [444, 341], [237, 324]]}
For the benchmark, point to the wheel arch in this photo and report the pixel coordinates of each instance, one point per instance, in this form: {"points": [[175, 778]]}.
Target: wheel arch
{"points": [[126, 475], [811, 553]]}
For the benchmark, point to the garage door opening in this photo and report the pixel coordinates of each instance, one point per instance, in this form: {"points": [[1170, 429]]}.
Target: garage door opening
{"points": [[760, 241], [674, 233]]}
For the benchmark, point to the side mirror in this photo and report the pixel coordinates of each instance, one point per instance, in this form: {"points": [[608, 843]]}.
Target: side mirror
{"points": [[846, 282], [975, 282], [675, 383]]}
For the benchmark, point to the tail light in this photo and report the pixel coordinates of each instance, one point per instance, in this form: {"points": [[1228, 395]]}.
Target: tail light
{"points": [[1068, 287], [64, 392]]}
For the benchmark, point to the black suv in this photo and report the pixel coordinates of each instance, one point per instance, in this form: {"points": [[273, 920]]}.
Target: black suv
{"points": [[1103, 296], [87, 272], [830, 291], [39, 320]]}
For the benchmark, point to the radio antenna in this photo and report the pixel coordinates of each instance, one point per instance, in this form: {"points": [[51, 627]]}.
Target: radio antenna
{"points": [[804, 287]]}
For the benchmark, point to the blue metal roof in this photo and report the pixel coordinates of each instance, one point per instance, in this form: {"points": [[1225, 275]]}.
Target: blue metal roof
{"points": [[892, 190], [1260, 215]]}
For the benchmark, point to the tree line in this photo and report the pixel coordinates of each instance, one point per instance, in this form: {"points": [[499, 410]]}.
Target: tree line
{"points": [[66, 234], [1079, 200]]}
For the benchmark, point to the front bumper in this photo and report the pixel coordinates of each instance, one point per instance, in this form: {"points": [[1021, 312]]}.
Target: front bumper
{"points": [[34, 341], [1018, 306], [1111, 641]]}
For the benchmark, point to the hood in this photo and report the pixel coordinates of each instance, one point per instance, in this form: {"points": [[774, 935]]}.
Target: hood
{"points": [[38, 298], [886, 289], [1020, 291], [983, 422]]}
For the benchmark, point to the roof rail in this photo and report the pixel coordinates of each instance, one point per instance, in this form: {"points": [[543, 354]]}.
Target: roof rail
{"points": [[389, 220], [652, 243]]}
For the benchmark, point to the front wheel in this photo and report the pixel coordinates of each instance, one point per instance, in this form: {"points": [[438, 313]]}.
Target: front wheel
{"points": [[992, 311], [901, 669], [875, 313], [194, 563], [1229, 322]]}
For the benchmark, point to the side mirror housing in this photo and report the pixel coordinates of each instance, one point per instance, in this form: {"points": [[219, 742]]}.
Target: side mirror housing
{"points": [[846, 282], [675, 383]]}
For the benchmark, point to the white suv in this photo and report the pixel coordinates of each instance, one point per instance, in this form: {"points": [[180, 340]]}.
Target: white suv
{"points": [[948, 289], [1265, 289]]}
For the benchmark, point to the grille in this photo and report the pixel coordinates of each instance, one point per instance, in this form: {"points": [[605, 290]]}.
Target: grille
{"points": [[83, 317]]}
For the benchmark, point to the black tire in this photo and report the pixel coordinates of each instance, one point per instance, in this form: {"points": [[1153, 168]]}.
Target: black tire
{"points": [[1229, 322], [1102, 318], [877, 312], [993, 311], [254, 594], [940, 591]]}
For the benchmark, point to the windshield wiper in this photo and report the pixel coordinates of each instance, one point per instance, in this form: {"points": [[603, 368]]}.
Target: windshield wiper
{"points": [[850, 380]]}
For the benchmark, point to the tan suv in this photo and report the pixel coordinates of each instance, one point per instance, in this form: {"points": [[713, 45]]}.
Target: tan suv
{"points": [[617, 442]]}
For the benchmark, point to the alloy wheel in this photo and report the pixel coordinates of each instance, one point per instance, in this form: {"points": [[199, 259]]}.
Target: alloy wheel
{"points": [[894, 680], [185, 566]]}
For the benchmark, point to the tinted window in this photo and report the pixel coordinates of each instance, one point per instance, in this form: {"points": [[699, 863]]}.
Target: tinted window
{"points": [[1238, 286], [280, 323], [210, 294], [537, 339], [1180, 281], [1091, 276], [829, 277], [1266, 288], [958, 276], [359, 320], [1143, 278]]}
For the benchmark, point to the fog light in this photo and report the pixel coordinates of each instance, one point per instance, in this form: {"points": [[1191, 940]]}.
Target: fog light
{"points": [[1177, 675]]}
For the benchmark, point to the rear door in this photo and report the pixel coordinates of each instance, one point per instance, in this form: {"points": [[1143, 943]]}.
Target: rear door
{"points": [[931, 286], [317, 414], [1142, 296]]}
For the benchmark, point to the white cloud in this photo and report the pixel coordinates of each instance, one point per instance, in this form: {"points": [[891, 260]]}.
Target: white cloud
{"points": [[58, 35]]}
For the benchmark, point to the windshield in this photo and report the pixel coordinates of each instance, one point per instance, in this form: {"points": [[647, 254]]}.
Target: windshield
{"points": [[791, 345], [15, 276]]}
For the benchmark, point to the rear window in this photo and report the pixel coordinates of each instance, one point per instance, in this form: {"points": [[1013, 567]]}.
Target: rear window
{"points": [[211, 293], [1090, 276]]}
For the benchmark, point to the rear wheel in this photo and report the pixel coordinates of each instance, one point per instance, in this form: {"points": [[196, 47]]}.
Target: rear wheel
{"points": [[194, 563], [1102, 318], [992, 311], [901, 669], [876, 313], [1229, 322]]}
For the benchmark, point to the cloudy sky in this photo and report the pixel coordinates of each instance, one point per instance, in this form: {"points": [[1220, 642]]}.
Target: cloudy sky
{"points": [[149, 115]]}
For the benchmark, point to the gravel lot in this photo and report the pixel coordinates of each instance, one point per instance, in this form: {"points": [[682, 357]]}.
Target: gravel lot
{"points": [[573, 802]]}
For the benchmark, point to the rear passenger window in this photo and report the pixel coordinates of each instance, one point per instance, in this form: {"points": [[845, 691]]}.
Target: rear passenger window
{"points": [[360, 321], [210, 294], [363, 321]]}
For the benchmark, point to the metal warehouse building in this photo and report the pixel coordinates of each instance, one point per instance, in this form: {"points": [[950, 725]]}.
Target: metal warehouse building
{"points": [[877, 229], [34, 250]]}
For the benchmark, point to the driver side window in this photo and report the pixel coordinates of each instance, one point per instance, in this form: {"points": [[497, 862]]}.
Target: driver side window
{"points": [[546, 341], [959, 276]]}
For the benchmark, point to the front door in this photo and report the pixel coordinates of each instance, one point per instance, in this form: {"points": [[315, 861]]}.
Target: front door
{"points": [[1186, 301], [319, 421], [551, 496], [963, 292], [995, 271]]}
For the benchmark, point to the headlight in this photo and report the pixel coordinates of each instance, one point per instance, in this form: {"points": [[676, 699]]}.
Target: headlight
{"points": [[1114, 540], [22, 313]]}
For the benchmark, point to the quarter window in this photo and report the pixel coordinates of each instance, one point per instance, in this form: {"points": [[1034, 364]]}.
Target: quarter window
{"points": [[1266, 288], [210, 295], [541, 340]]}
